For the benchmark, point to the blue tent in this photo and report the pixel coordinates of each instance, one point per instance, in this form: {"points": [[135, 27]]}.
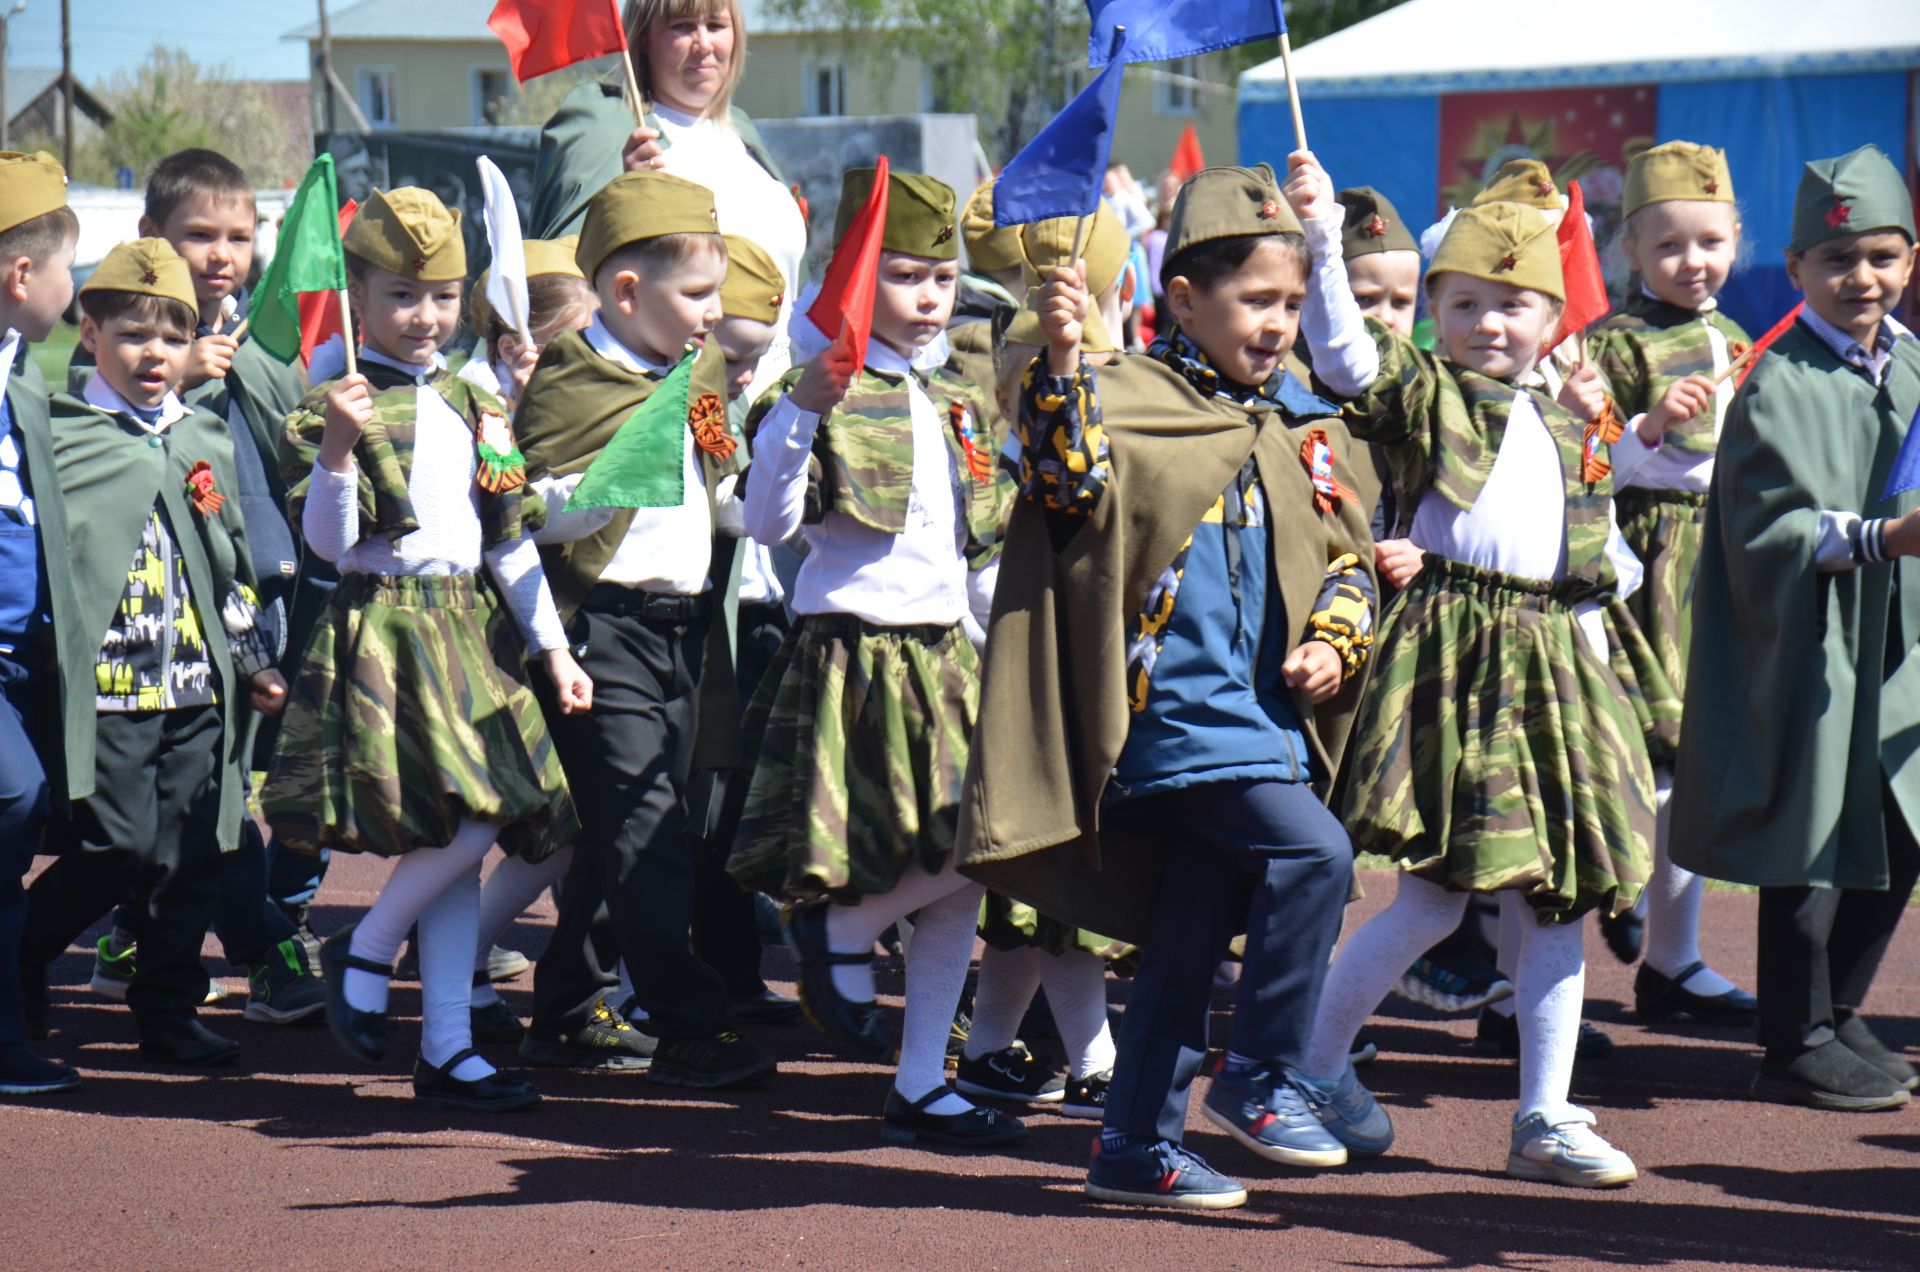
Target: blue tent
{"points": [[1422, 100]]}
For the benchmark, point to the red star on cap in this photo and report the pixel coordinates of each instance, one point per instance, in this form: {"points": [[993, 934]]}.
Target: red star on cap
{"points": [[1269, 211], [1837, 214], [1712, 187], [419, 263], [149, 278], [1377, 227], [1544, 186], [1507, 262]]}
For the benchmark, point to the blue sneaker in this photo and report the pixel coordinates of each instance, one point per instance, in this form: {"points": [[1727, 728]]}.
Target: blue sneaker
{"points": [[1272, 1119], [1160, 1173], [1350, 1113]]}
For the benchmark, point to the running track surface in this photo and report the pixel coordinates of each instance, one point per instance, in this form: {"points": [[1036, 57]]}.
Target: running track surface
{"points": [[299, 1159]]}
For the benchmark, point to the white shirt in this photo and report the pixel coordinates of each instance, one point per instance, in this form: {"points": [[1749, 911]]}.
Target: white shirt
{"points": [[103, 395], [892, 580], [446, 502], [666, 550], [1666, 467]]}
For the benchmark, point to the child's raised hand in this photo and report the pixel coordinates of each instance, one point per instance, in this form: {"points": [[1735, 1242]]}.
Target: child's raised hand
{"points": [[1398, 561], [1683, 400], [269, 692], [643, 150], [1062, 306], [572, 686], [827, 378], [1309, 189], [211, 359], [1585, 393], [1314, 669], [521, 368], [349, 411]]}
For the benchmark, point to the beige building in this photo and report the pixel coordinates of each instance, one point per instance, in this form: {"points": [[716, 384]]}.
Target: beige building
{"points": [[422, 64]]}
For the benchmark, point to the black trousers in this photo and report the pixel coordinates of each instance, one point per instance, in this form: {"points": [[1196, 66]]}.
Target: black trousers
{"points": [[629, 892], [23, 815], [1820, 947], [245, 918], [149, 830], [1266, 858], [725, 931]]}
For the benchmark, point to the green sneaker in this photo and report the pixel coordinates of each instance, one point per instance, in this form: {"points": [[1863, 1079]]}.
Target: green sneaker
{"points": [[282, 989], [112, 969]]}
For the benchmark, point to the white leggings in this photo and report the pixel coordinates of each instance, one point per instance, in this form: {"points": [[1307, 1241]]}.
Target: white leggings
{"points": [[1076, 984]]}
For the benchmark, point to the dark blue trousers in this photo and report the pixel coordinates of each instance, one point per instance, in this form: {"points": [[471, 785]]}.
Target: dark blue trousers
{"points": [[1264, 858], [23, 814]]}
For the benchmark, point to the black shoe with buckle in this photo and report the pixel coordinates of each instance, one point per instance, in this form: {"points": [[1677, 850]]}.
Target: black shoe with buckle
{"points": [[907, 1122], [1087, 1097], [1658, 997], [1626, 935], [365, 1034], [723, 1060], [607, 1041], [857, 1023], [499, 1092]]}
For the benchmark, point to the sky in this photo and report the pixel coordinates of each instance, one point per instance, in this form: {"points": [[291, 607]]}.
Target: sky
{"points": [[110, 35]]}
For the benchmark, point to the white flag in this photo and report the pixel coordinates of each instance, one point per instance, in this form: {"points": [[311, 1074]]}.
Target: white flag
{"points": [[507, 276]]}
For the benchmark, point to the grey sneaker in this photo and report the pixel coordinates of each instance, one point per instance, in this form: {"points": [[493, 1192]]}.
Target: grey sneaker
{"points": [[1350, 1113], [1272, 1118], [1568, 1151]]}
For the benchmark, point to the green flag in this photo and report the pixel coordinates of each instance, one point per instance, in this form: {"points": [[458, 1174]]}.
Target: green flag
{"points": [[644, 465], [307, 259]]}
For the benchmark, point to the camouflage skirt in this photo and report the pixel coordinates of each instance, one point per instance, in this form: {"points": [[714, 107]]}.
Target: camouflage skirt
{"points": [[863, 748], [1495, 750], [1006, 924], [408, 717], [1665, 529], [1650, 695]]}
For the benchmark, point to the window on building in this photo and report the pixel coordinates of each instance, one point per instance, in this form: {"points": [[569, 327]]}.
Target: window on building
{"points": [[491, 86], [377, 88], [1177, 91], [825, 87]]}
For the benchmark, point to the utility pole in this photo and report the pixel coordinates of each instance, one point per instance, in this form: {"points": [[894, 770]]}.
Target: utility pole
{"points": [[326, 68], [66, 81], [6, 106]]}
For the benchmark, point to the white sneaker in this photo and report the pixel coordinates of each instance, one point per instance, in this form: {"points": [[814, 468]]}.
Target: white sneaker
{"points": [[1567, 1152]]}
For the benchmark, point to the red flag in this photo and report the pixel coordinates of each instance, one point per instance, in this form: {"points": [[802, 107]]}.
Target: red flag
{"points": [[545, 35], [1747, 359], [1586, 288], [845, 302], [1187, 156], [320, 311]]}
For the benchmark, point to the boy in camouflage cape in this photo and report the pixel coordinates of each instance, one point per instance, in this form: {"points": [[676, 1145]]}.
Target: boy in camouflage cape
{"points": [[412, 733], [1664, 356], [1495, 751], [870, 704]]}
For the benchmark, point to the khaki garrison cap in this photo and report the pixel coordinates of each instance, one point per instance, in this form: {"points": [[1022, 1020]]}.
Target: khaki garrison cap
{"points": [[145, 267], [1048, 245], [635, 206], [919, 213], [1852, 194], [1228, 203], [410, 232], [30, 185], [755, 288], [1508, 243]]}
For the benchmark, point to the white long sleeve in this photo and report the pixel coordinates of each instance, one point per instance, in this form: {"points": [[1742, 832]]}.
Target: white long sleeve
{"points": [[777, 485], [1344, 356], [330, 519], [564, 525], [516, 568]]}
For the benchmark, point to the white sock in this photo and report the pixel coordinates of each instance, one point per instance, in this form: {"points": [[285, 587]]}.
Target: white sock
{"points": [[447, 928], [1008, 981], [1077, 996], [417, 878], [1547, 993], [1673, 906], [852, 929], [943, 933], [509, 890], [1371, 963], [1510, 931]]}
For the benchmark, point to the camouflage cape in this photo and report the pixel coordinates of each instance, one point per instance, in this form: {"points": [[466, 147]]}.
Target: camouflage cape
{"points": [[1642, 351], [111, 475], [1495, 750], [410, 712], [1054, 706], [1803, 691], [973, 346]]}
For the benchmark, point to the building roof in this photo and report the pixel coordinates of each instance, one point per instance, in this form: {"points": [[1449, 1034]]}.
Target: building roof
{"points": [[456, 20], [1442, 46], [26, 85]]}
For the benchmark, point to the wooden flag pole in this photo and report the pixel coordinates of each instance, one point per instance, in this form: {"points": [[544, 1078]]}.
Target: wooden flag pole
{"points": [[1733, 367], [240, 332], [346, 332], [1293, 90]]}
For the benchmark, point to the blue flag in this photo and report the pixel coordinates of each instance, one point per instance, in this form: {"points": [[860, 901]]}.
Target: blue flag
{"points": [[1906, 465], [1161, 30], [1059, 172]]}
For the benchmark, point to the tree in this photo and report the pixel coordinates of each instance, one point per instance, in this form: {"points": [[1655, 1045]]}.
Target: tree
{"points": [[534, 103]]}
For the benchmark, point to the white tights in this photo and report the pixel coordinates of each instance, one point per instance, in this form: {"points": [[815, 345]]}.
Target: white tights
{"points": [[1076, 984], [510, 889], [438, 889], [1549, 983], [1672, 900], [946, 910]]}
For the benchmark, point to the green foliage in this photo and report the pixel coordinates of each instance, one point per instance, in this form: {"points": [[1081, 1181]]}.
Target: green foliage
{"points": [[533, 104]]}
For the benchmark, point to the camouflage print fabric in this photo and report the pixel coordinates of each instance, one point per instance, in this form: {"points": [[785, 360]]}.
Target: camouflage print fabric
{"points": [[1650, 694], [1006, 924], [407, 718], [1650, 344], [864, 733], [1665, 529], [1495, 751]]}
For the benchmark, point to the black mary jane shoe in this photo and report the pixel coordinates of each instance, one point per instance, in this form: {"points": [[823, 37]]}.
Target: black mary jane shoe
{"points": [[1626, 935], [859, 1024], [499, 1092], [187, 1041], [365, 1034], [1658, 997], [910, 1123]]}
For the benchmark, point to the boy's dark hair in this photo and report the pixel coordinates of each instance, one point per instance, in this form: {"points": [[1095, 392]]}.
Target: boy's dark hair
{"points": [[651, 256], [186, 173], [39, 237], [1205, 265], [172, 316]]}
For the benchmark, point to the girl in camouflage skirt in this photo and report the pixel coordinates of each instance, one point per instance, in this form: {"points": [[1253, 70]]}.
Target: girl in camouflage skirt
{"points": [[409, 732], [1664, 356], [1496, 751], [869, 705]]}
